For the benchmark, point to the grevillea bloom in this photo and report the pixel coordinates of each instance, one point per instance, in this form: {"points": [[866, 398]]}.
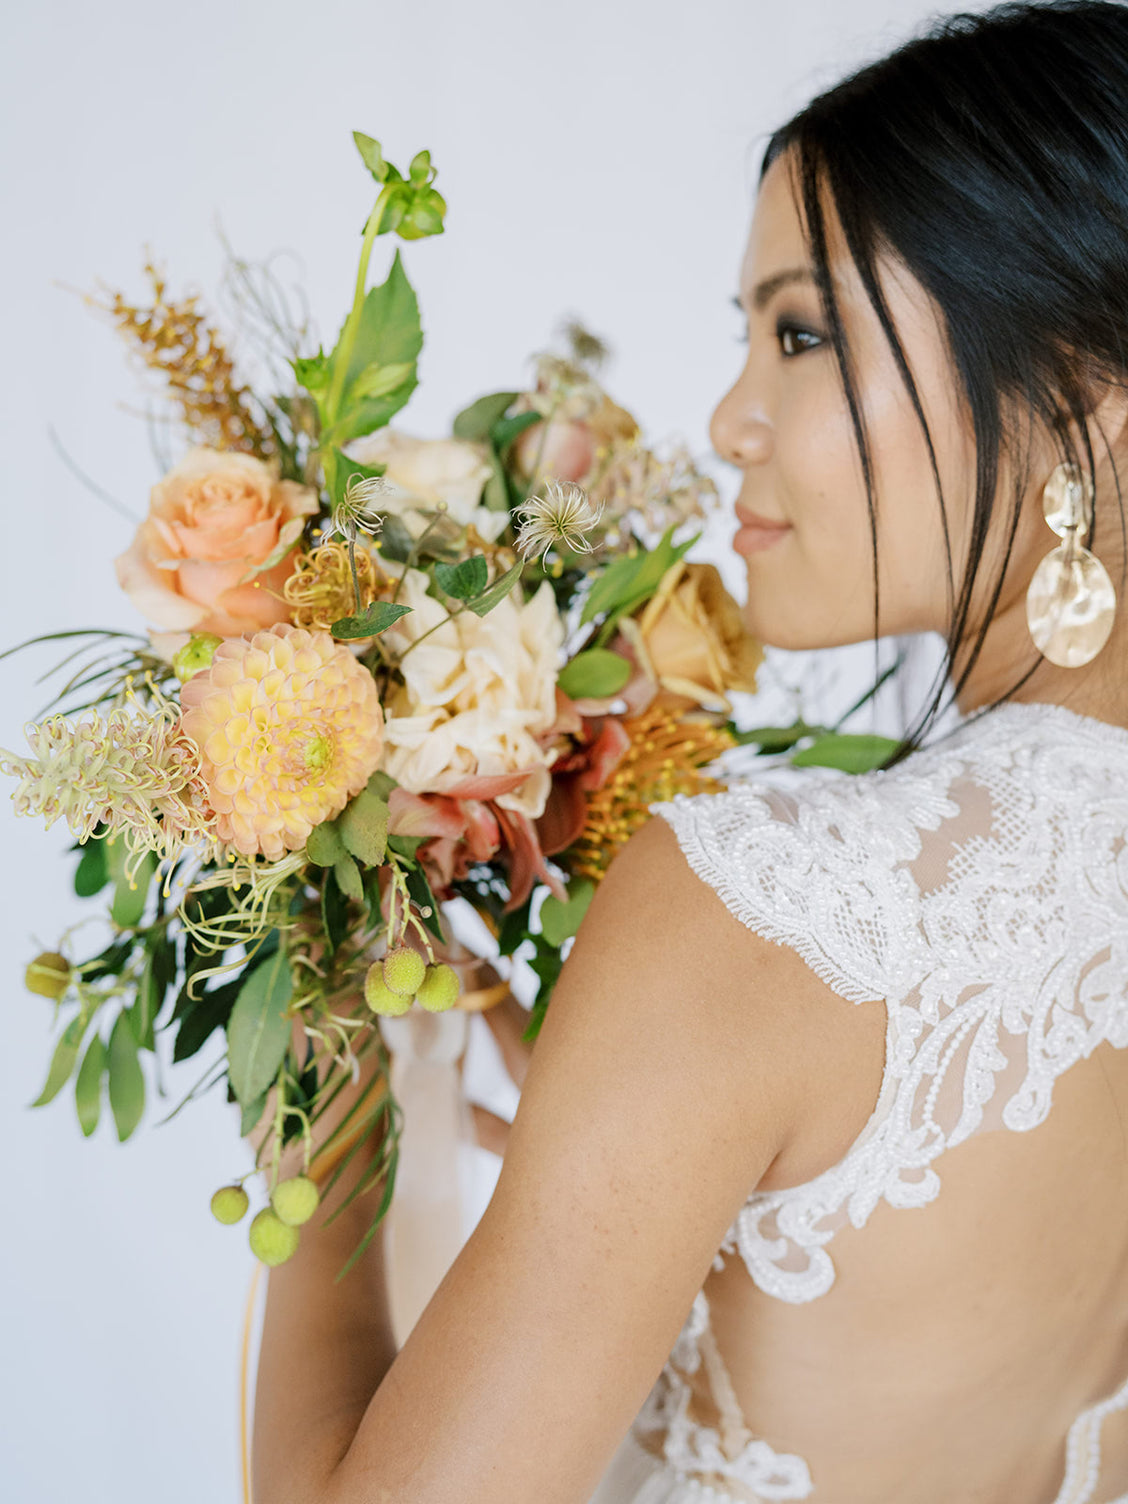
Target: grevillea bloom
{"points": [[289, 729]]}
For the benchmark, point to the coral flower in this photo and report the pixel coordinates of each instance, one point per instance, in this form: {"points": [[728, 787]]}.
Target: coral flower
{"points": [[289, 728]]}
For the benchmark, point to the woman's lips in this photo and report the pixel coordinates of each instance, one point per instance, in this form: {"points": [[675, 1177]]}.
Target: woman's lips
{"points": [[756, 533]]}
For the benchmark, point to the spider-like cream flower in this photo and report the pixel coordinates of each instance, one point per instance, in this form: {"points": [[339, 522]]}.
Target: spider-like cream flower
{"points": [[289, 728], [135, 774], [564, 515], [359, 509]]}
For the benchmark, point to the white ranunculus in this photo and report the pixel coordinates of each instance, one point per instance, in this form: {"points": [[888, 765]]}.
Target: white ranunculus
{"points": [[423, 472], [476, 695]]}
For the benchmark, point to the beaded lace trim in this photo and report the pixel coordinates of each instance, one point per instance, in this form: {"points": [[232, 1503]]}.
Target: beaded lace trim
{"points": [[979, 888]]}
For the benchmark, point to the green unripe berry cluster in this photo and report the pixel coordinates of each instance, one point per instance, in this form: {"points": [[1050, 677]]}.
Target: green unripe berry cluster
{"points": [[273, 1233], [295, 1201], [402, 977], [272, 1240]]}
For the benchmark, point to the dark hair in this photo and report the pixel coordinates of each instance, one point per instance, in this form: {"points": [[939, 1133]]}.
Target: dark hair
{"points": [[989, 155]]}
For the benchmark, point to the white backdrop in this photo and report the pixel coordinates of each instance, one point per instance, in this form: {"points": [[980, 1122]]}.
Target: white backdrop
{"points": [[597, 158]]}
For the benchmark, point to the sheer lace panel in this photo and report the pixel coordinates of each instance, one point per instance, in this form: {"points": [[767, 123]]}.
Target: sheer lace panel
{"points": [[980, 889]]}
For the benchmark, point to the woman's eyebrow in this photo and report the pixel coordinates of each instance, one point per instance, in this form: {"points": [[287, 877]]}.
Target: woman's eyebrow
{"points": [[763, 292]]}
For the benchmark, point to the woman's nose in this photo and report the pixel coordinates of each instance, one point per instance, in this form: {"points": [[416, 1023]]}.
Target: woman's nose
{"points": [[738, 430]]}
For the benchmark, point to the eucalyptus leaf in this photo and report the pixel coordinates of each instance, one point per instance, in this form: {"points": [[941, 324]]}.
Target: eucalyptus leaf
{"points": [[62, 1061], [594, 674], [88, 1085], [127, 1081], [347, 874], [325, 846], [363, 827], [258, 1031]]}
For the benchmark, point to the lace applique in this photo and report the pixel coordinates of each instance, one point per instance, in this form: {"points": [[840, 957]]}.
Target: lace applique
{"points": [[979, 888], [749, 1468]]}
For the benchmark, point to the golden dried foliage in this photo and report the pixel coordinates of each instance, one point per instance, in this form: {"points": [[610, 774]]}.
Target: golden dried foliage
{"points": [[175, 339], [666, 757]]}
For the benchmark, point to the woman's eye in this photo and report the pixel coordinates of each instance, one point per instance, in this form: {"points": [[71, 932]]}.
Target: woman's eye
{"points": [[785, 328]]}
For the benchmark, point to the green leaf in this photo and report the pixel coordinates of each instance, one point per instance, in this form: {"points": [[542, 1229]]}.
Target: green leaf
{"points": [[559, 919], [334, 911], [325, 846], [371, 155], [497, 591], [405, 846], [420, 171], [91, 875], [424, 215], [464, 580], [771, 738], [377, 380], [381, 784], [258, 1031], [251, 1113], [363, 827], [505, 430], [420, 891], [389, 332], [62, 1061], [633, 578], [395, 542], [312, 372], [88, 1086], [127, 1082], [594, 674], [377, 618], [853, 753], [129, 898], [347, 874], [202, 1016], [475, 421]]}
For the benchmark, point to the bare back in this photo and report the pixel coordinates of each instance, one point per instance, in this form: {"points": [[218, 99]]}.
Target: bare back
{"points": [[926, 1298]]}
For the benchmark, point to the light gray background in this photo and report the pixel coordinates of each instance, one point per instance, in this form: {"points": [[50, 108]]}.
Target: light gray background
{"points": [[598, 158]]}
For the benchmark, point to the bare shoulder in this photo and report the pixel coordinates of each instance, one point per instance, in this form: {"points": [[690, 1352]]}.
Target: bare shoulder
{"points": [[713, 984]]}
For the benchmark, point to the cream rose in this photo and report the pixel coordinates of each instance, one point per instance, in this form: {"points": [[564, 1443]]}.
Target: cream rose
{"points": [[692, 639], [215, 549], [423, 472], [477, 694]]}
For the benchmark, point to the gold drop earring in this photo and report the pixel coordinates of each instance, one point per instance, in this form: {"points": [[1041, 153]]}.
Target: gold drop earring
{"points": [[1070, 603]]}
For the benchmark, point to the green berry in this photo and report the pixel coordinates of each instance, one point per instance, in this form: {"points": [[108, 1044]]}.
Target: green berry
{"points": [[197, 653], [439, 989], [379, 996], [48, 975], [404, 969], [272, 1240], [295, 1201], [229, 1203]]}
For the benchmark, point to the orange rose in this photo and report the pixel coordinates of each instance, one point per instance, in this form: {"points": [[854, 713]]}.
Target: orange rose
{"points": [[692, 640], [217, 545]]}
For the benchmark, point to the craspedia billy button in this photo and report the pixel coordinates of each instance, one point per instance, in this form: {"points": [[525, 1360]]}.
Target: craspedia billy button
{"points": [[295, 1200], [439, 989], [272, 1240], [229, 1203], [404, 969], [379, 996], [48, 975]]}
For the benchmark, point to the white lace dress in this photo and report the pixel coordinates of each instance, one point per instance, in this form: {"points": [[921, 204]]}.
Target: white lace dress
{"points": [[981, 888]]}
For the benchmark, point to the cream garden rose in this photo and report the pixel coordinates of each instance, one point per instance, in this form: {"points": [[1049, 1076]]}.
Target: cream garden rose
{"points": [[424, 472], [216, 547], [477, 694]]}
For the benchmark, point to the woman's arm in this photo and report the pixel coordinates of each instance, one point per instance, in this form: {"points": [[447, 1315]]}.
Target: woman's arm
{"points": [[677, 1060]]}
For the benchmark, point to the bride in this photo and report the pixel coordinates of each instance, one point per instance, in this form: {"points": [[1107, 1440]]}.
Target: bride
{"points": [[818, 1185]]}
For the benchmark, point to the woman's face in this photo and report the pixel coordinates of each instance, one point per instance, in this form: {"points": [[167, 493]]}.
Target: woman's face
{"points": [[785, 424]]}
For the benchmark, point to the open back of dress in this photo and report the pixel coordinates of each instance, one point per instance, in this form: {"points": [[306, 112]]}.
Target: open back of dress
{"points": [[980, 890]]}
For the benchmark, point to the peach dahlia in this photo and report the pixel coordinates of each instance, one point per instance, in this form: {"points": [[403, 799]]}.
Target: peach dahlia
{"points": [[289, 728]]}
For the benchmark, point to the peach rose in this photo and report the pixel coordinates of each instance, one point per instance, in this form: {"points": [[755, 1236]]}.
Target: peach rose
{"points": [[567, 447], [217, 545], [691, 639]]}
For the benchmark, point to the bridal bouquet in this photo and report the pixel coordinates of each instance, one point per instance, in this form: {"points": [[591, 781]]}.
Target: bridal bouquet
{"points": [[382, 672]]}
